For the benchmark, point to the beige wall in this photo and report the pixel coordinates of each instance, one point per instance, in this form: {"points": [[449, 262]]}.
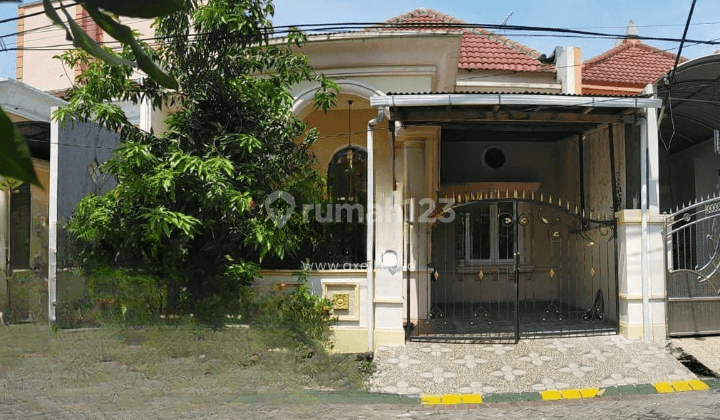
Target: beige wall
{"points": [[598, 173], [494, 81]]}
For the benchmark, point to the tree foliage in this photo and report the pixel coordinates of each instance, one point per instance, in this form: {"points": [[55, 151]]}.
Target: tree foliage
{"points": [[188, 202]]}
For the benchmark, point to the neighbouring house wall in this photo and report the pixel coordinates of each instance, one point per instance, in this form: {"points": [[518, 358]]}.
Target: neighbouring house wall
{"points": [[73, 156], [22, 288], [37, 67]]}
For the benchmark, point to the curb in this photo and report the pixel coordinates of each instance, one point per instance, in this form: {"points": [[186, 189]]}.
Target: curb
{"points": [[573, 394]]}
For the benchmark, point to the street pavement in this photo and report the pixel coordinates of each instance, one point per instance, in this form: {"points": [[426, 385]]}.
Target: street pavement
{"points": [[688, 405], [534, 365]]}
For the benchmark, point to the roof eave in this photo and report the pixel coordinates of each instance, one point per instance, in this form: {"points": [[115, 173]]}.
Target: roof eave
{"points": [[450, 99]]}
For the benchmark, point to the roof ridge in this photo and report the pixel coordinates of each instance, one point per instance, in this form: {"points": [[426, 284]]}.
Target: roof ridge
{"points": [[625, 45], [445, 18], [423, 11]]}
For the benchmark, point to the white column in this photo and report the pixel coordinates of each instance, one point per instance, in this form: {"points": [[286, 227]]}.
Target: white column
{"points": [[414, 152], [653, 160], [415, 190], [4, 238], [52, 219], [641, 246], [630, 293]]}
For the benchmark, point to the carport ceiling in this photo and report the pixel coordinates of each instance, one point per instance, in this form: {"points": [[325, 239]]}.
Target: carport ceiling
{"points": [[512, 123], [691, 103]]}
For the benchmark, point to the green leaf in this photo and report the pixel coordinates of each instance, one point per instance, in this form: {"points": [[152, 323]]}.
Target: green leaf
{"points": [[15, 158], [124, 34], [138, 8], [84, 41]]}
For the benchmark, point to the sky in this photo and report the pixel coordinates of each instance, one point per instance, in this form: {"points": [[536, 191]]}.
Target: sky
{"points": [[656, 18]]}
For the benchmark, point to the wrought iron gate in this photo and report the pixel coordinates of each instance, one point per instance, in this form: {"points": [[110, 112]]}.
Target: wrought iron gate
{"points": [[507, 268], [692, 238]]}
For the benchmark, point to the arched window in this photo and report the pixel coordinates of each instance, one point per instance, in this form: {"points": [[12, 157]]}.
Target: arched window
{"points": [[347, 187], [347, 175]]}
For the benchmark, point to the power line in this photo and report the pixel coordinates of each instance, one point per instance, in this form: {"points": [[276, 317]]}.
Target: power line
{"points": [[687, 26], [288, 29], [32, 14], [370, 26]]}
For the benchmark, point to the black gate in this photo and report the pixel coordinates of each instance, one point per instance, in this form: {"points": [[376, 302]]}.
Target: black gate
{"points": [[692, 281], [513, 267]]}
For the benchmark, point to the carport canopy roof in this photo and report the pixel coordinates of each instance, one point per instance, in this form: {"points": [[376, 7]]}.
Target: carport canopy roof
{"points": [[691, 103], [539, 117]]}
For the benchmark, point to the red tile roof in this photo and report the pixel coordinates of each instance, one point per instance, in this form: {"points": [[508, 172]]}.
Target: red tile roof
{"points": [[631, 62], [480, 49]]}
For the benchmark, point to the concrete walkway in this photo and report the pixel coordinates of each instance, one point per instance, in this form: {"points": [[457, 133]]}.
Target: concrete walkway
{"points": [[421, 368]]}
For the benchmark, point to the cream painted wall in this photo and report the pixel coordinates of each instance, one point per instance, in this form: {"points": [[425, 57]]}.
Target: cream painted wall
{"points": [[494, 81], [38, 68], [398, 56]]}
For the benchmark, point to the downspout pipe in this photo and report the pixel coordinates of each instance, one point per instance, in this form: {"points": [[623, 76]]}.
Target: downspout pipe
{"points": [[644, 261], [370, 220]]}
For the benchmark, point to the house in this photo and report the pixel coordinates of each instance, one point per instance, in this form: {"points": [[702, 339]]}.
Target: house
{"points": [[67, 161], [498, 197], [506, 194], [24, 217]]}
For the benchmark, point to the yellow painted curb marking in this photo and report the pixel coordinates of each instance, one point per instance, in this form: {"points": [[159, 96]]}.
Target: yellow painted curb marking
{"points": [[431, 399], [589, 392], [664, 387], [681, 386], [451, 399], [472, 399], [550, 395], [570, 394], [698, 385]]}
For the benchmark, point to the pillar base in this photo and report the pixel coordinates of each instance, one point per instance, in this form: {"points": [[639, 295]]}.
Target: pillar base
{"points": [[389, 338]]}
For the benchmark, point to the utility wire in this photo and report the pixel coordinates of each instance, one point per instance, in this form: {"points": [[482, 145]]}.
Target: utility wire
{"points": [[42, 12], [374, 26], [682, 41]]}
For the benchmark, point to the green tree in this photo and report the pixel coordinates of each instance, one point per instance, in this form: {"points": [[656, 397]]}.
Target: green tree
{"points": [[189, 204]]}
